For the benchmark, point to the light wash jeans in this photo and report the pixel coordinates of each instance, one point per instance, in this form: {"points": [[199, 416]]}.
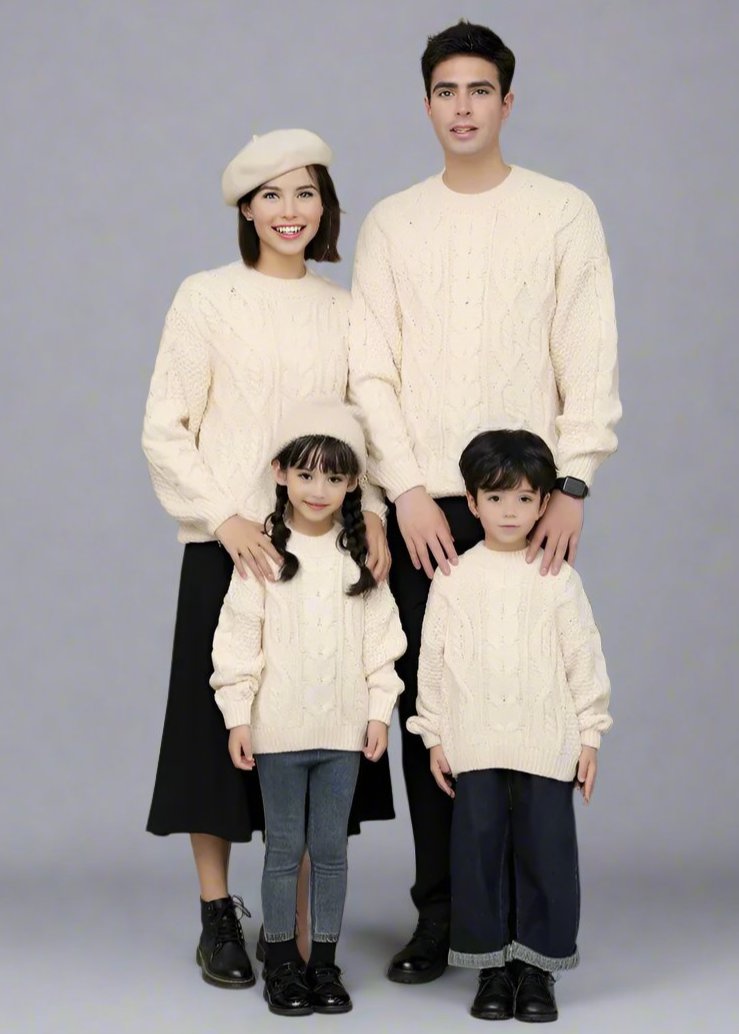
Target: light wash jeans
{"points": [[326, 780]]}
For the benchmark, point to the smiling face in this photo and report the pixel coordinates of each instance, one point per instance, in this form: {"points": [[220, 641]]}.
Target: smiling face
{"points": [[315, 496], [466, 107], [286, 212], [508, 515]]}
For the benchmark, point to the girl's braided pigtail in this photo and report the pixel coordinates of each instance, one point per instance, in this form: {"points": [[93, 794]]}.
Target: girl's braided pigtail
{"points": [[279, 533], [353, 539]]}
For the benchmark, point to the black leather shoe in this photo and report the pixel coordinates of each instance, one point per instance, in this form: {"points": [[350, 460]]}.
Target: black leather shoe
{"points": [[221, 952], [286, 991], [535, 1002], [425, 956], [495, 995], [327, 992]]}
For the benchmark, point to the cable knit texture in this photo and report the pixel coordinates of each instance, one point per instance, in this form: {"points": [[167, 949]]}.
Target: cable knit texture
{"points": [[238, 347], [473, 311], [511, 672], [302, 663]]}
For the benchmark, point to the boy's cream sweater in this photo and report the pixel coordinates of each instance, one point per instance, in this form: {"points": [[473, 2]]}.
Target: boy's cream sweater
{"points": [[511, 672], [238, 347], [476, 311], [302, 663]]}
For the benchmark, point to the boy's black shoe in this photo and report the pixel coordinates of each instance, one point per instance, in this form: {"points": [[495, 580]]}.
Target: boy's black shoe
{"points": [[221, 952], [535, 1002], [425, 956], [495, 994], [286, 991], [327, 992]]}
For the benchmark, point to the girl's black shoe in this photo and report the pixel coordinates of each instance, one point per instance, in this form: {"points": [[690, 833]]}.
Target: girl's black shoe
{"points": [[495, 994], [327, 992], [535, 1002], [285, 990], [221, 952]]}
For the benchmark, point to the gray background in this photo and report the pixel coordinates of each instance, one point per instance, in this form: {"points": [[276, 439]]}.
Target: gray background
{"points": [[119, 117]]}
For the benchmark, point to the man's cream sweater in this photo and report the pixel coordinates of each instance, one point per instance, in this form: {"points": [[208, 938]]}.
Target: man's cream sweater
{"points": [[476, 311], [238, 347], [302, 663], [511, 672]]}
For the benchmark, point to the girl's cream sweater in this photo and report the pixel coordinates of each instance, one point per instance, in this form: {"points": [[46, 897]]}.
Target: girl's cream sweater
{"points": [[511, 672]]}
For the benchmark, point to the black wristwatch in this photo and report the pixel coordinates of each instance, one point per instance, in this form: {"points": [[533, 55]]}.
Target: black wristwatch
{"points": [[572, 486]]}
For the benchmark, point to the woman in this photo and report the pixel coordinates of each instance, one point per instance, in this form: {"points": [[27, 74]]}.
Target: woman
{"points": [[240, 344]]}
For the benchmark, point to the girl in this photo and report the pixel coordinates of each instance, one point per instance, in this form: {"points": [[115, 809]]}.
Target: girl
{"points": [[239, 343], [304, 676]]}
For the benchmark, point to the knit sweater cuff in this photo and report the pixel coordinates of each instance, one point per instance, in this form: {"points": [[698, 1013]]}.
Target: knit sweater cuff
{"points": [[581, 467], [235, 712], [381, 706], [216, 515], [590, 738], [430, 739], [403, 479]]}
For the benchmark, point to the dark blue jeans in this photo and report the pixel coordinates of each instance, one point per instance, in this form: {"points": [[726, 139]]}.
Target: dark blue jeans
{"points": [[325, 779]]}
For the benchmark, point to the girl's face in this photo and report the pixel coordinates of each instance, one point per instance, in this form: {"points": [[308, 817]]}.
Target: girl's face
{"points": [[315, 496], [508, 515], [286, 212]]}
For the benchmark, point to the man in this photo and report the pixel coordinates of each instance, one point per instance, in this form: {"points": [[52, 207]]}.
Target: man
{"points": [[482, 298]]}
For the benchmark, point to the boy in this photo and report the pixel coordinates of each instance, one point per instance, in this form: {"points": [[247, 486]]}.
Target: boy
{"points": [[481, 297], [512, 700]]}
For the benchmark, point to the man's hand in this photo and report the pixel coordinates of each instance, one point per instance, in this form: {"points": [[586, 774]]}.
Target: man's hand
{"points": [[561, 525], [587, 769], [424, 527], [239, 747], [440, 770], [248, 546], [376, 742], [378, 555]]}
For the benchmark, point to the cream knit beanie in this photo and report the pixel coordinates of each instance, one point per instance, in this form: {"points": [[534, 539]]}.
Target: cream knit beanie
{"points": [[322, 416]]}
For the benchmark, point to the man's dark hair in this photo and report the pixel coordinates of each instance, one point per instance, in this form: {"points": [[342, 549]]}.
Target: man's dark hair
{"points": [[323, 247], [475, 40], [501, 460]]}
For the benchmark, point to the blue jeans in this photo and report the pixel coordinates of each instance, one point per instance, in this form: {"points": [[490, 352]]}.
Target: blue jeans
{"points": [[326, 780]]}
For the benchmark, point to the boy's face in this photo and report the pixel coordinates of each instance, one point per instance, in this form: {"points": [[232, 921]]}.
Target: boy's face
{"points": [[465, 105], [508, 515]]}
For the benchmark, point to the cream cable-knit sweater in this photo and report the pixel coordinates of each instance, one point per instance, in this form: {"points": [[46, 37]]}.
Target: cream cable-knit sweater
{"points": [[511, 672], [473, 311], [238, 347], [302, 663]]}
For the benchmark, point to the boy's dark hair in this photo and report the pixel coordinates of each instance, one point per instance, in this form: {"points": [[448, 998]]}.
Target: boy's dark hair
{"points": [[502, 459], [330, 456], [475, 40], [324, 246]]}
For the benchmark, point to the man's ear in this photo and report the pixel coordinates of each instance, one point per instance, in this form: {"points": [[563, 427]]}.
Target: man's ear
{"points": [[427, 106], [544, 504], [507, 104], [472, 505], [280, 475]]}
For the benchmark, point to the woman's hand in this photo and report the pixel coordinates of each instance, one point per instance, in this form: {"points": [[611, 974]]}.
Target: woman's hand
{"points": [[378, 556], [248, 546], [587, 769], [441, 770], [239, 747], [376, 742]]}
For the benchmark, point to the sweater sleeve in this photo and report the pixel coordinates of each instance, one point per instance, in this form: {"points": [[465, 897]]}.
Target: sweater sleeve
{"points": [[373, 501], [384, 642], [375, 352], [238, 659], [585, 665], [177, 399], [583, 346], [429, 703]]}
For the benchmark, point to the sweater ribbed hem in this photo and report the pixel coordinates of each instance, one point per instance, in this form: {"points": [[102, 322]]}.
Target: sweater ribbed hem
{"points": [[313, 737], [535, 761], [514, 950]]}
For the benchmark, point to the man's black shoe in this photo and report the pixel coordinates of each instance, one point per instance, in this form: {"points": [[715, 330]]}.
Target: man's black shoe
{"points": [[221, 952], [495, 994], [327, 992], [535, 1002], [425, 956], [286, 991]]}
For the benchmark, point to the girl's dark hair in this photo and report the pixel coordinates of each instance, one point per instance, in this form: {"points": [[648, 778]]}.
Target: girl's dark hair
{"points": [[324, 246], [331, 456], [502, 459], [475, 40]]}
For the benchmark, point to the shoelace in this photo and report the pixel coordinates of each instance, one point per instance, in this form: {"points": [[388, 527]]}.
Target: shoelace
{"points": [[326, 974], [428, 930], [229, 923], [288, 975]]}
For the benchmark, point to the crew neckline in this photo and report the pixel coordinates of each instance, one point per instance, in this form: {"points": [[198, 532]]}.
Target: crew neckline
{"points": [[483, 197], [252, 278]]}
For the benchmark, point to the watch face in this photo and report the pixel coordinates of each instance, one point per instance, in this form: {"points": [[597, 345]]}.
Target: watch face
{"points": [[573, 486]]}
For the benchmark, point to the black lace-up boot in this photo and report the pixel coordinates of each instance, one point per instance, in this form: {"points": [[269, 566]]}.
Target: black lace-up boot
{"points": [[424, 957], [535, 1002], [221, 952]]}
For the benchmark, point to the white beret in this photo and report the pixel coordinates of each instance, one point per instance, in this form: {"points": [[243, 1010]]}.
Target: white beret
{"points": [[270, 155], [322, 416]]}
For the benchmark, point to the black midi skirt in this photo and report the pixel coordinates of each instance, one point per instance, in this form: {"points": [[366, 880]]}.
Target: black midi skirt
{"points": [[197, 788]]}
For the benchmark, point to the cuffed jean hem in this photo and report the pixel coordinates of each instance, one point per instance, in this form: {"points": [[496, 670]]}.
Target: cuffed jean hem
{"points": [[325, 938], [279, 938], [514, 950]]}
